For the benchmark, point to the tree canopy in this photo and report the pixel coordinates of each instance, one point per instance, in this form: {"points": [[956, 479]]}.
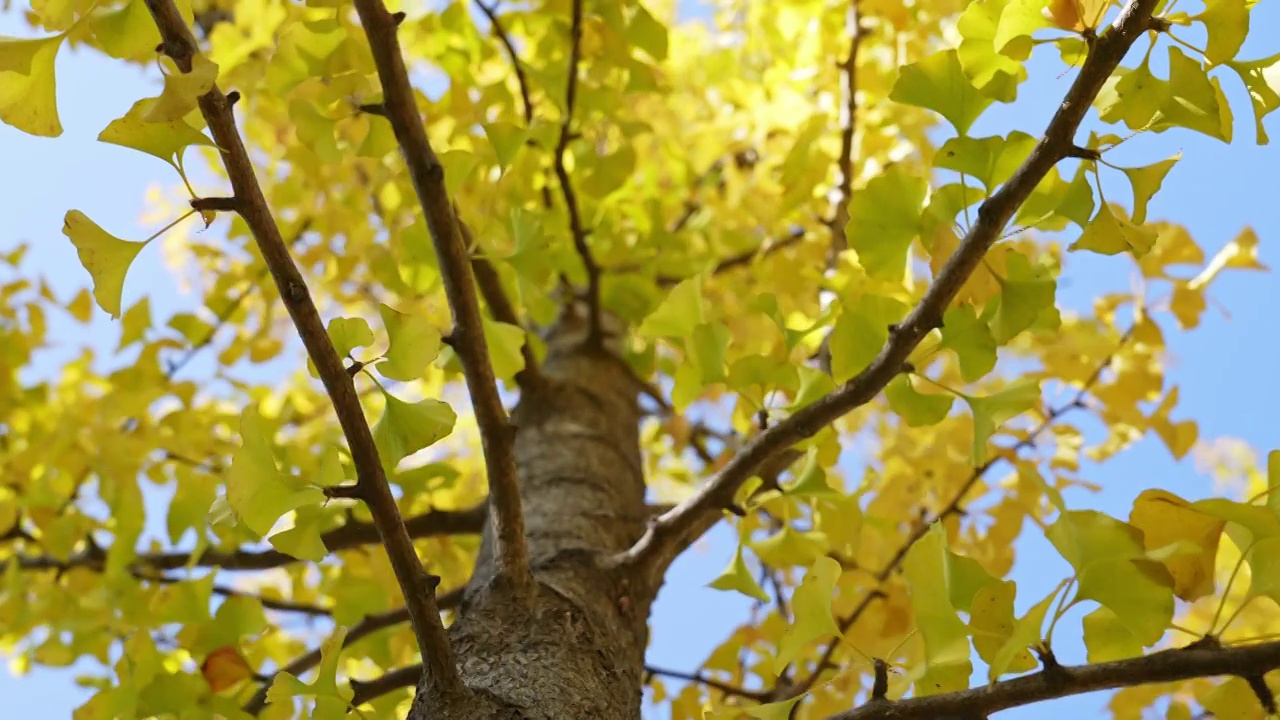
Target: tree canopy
{"points": [[827, 310]]}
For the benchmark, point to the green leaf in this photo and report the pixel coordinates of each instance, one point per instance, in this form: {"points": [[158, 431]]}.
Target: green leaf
{"points": [[1026, 292], [303, 539], [790, 547], [971, 340], [1146, 181], [1132, 96], [181, 90], [164, 140], [405, 428], [127, 33], [917, 409], [458, 165], [256, 489], [737, 578], [325, 685], [1195, 100], [938, 83], [1227, 24], [707, 348], [28, 95], [105, 256], [1107, 639], [993, 410], [678, 314], [995, 72], [1110, 233], [884, 217], [811, 611], [1262, 79], [860, 332], [507, 139], [946, 638], [505, 342], [347, 334], [990, 160], [993, 625], [1273, 481], [415, 343], [646, 33], [780, 710]]}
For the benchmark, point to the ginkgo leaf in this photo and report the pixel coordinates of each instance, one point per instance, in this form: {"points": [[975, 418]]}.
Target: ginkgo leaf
{"points": [[225, 668], [28, 94], [1273, 481], [946, 638], [303, 539], [1026, 292], [505, 342], [1110, 233], [737, 577], [164, 140], [347, 334], [1077, 15], [1146, 181], [1195, 100], [970, 338], [790, 547], [780, 710], [105, 256], [1000, 638], [707, 347], [678, 313], [415, 342], [1262, 78], [1132, 96], [811, 611], [917, 409], [127, 32], [938, 83], [996, 409], [646, 33], [1165, 519], [860, 332], [257, 490], [884, 217], [507, 139], [181, 90], [405, 427], [285, 685], [1227, 24], [1107, 639], [990, 160], [996, 74]]}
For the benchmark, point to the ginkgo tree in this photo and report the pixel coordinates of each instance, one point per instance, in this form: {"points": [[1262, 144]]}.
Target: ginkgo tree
{"points": [[576, 282]]}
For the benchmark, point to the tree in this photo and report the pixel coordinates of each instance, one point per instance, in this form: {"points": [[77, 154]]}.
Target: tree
{"points": [[702, 264]]}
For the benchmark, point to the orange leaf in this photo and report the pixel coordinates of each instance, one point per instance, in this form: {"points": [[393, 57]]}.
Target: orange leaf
{"points": [[224, 668]]}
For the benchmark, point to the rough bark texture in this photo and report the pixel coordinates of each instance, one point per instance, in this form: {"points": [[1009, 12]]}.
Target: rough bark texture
{"points": [[575, 651]]}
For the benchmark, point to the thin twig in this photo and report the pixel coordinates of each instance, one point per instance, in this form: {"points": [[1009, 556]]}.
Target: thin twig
{"points": [[595, 334], [366, 627], [251, 204], [670, 534], [500, 306], [839, 242], [742, 259], [392, 680], [701, 679], [497, 434]]}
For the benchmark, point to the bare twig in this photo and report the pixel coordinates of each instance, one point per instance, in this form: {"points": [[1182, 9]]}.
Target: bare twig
{"points": [[742, 259], [672, 533], [366, 627], [500, 306], [839, 242], [1197, 661], [701, 679], [496, 432], [251, 205], [595, 334], [392, 680]]}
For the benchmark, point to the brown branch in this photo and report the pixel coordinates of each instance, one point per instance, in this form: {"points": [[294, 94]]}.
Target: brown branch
{"points": [[670, 534], [180, 44], [392, 680], [734, 262], [496, 432], [701, 679], [954, 507], [500, 306], [1197, 661], [366, 627], [839, 242], [595, 334]]}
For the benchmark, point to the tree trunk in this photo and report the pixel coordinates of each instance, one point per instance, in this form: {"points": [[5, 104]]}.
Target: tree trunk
{"points": [[575, 649]]}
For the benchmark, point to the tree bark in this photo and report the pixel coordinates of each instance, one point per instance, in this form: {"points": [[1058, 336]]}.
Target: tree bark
{"points": [[575, 649]]}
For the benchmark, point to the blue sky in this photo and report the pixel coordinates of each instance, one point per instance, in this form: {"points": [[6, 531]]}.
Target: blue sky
{"points": [[1215, 190]]}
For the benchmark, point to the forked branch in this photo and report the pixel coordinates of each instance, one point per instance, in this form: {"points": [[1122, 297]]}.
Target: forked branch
{"points": [[671, 533], [496, 432], [249, 202]]}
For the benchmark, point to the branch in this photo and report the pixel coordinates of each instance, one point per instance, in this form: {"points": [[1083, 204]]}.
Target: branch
{"points": [[496, 432], [500, 306], [734, 262], [670, 534], [179, 44], [1196, 661], [392, 680], [595, 336], [701, 679], [839, 242], [826, 662], [366, 627]]}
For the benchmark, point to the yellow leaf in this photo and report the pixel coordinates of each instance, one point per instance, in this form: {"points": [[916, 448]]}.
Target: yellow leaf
{"points": [[28, 92], [811, 608], [1164, 519], [164, 140], [106, 257], [181, 90], [225, 668]]}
